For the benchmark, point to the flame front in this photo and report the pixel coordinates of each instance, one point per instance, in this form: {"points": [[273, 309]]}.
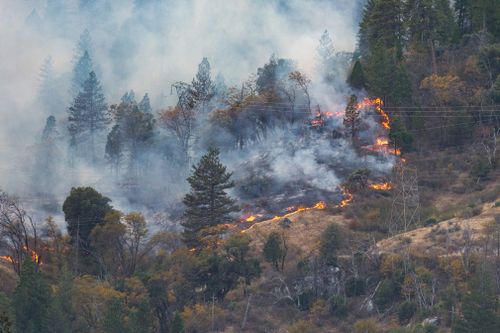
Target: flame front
{"points": [[348, 197], [381, 186], [7, 258]]}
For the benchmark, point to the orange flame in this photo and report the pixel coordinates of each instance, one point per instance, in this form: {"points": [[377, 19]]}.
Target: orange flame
{"points": [[378, 104], [7, 258], [347, 200], [34, 256], [381, 186]]}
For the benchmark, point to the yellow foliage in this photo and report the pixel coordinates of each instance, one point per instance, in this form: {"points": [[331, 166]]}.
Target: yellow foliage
{"points": [[390, 263], [198, 318], [444, 88]]}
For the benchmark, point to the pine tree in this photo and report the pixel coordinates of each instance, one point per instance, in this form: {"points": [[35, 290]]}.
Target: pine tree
{"points": [[48, 92], [145, 104], [203, 87], [326, 58], [274, 250], [357, 78], [31, 301], [88, 115], [81, 71], [207, 205], [129, 97], [351, 117]]}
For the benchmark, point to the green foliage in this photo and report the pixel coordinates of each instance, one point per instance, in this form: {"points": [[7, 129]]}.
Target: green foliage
{"points": [[83, 209], [338, 306], [357, 78], [386, 294], [306, 299], [399, 136], [480, 169], [177, 324], [31, 301], [274, 250], [329, 244], [354, 286], [207, 205], [406, 310], [114, 317], [479, 307]]}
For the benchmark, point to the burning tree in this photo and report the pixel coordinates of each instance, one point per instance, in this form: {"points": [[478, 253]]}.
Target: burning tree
{"points": [[18, 232], [351, 117], [208, 205]]}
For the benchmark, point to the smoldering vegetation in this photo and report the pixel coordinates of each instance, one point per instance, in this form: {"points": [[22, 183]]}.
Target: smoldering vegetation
{"points": [[271, 97]]}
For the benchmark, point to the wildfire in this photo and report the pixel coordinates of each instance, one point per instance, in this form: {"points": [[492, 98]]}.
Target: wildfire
{"points": [[381, 186], [347, 200], [7, 258], [34, 256], [378, 104]]}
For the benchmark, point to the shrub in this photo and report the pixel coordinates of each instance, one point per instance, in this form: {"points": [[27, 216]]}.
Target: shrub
{"points": [[338, 306], [303, 326], [306, 300], [430, 222], [354, 287], [406, 311], [365, 326], [386, 294]]}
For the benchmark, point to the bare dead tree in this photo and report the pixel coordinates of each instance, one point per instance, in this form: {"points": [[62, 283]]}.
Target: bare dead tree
{"points": [[18, 232], [489, 141]]}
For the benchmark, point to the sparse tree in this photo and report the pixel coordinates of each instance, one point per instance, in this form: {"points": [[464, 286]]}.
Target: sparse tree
{"points": [[203, 87], [275, 250]]}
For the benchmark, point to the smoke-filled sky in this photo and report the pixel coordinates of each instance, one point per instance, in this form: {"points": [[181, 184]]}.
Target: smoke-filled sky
{"points": [[146, 45]]}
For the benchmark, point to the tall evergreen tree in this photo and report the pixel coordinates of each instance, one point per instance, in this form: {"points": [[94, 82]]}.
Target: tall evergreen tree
{"points": [[326, 57], [48, 92], [145, 104], [357, 78], [81, 71], [114, 148], [31, 301], [203, 86], [207, 204], [88, 115]]}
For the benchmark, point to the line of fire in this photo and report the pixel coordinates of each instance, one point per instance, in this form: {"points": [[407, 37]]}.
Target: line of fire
{"points": [[319, 124]]}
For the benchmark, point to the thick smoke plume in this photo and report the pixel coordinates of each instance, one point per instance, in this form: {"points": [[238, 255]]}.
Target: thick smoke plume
{"points": [[147, 46]]}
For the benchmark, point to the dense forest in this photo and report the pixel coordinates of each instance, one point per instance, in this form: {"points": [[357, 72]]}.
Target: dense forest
{"points": [[360, 195]]}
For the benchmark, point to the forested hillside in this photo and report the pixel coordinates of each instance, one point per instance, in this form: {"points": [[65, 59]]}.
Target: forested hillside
{"points": [[345, 190]]}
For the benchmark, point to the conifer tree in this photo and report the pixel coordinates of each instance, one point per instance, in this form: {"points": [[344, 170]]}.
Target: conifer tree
{"points": [[203, 86], [357, 78], [88, 115], [351, 117], [81, 71], [207, 204], [31, 301], [326, 57], [145, 104]]}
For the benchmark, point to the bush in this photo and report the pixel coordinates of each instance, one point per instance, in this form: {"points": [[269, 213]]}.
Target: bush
{"points": [[365, 326], [480, 169], [306, 299], [329, 244], [354, 287], [430, 222], [302, 326], [338, 306], [386, 294], [406, 311]]}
